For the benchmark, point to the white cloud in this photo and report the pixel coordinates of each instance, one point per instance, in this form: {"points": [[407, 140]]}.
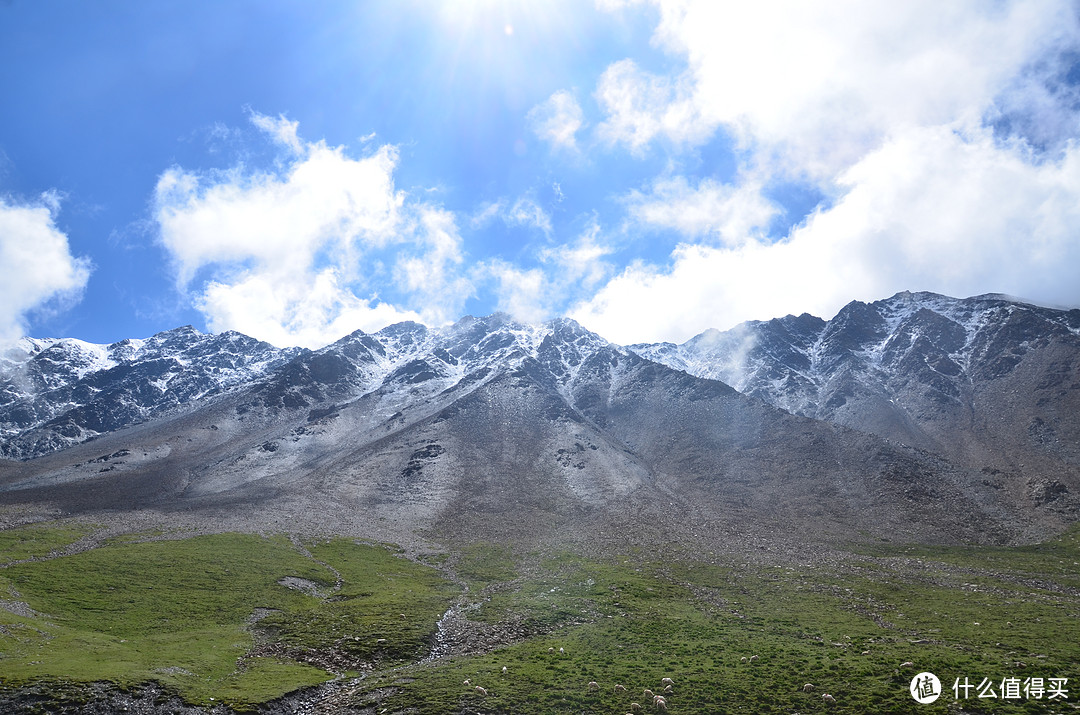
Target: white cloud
{"points": [[930, 210], [520, 292], [557, 120], [526, 212], [580, 265], [432, 273], [284, 256], [487, 213], [523, 212], [282, 310], [38, 268], [814, 86], [280, 129], [944, 134], [640, 106], [565, 271], [732, 213]]}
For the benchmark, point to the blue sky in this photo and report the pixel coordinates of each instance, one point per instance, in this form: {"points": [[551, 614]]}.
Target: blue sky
{"points": [[296, 171]]}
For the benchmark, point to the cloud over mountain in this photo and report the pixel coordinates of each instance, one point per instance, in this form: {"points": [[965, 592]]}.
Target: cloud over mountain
{"points": [[37, 265], [939, 138], [289, 255]]}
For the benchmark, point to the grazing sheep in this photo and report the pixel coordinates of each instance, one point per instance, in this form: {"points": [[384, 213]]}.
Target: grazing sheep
{"points": [[482, 691], [753, 659], [561, 651], [619, 688], [466, 682], [402, 616], [808, 688], [649, 693], [593, 685], [636, 707], [551, 649], [828, 698], [504, 670], [659, 702], [380, 641], [907, 664], [866, 652], [743, 659], [669, 688], [667, 681]]}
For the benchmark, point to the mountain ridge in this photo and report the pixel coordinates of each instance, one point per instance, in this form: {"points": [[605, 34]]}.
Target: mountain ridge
{"points": [[913, 424], [919, 368]]}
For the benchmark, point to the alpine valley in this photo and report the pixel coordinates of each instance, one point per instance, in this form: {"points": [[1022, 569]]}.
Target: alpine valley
{"points": [[558, 486]]}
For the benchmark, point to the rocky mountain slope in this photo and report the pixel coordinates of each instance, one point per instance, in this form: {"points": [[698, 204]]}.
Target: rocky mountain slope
{"points": [[987, 381], [840, 429]]}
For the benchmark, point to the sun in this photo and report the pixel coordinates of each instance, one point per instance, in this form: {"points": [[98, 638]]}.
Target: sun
{"points": [[496, 39], [504, 17]]}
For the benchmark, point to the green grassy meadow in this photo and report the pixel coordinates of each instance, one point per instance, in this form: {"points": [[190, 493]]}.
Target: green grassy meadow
{"points": [[179, 611]]}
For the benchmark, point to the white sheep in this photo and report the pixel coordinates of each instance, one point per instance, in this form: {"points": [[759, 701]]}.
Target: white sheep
{"points": [[551, 649], [669, 688], [808, 688], [619, 688], [667, 681], [504, 670], [466, 682], [828, 698], [753, 659], [636, 707], [743, 659], [482, 691], [648, 693], [659, 702], [907, 664], [593, 685]]}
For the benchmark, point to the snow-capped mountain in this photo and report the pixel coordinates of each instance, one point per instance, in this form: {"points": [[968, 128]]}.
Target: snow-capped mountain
{"points": [[889, 419], [56, 393], [988, 380], [804, 363]]}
